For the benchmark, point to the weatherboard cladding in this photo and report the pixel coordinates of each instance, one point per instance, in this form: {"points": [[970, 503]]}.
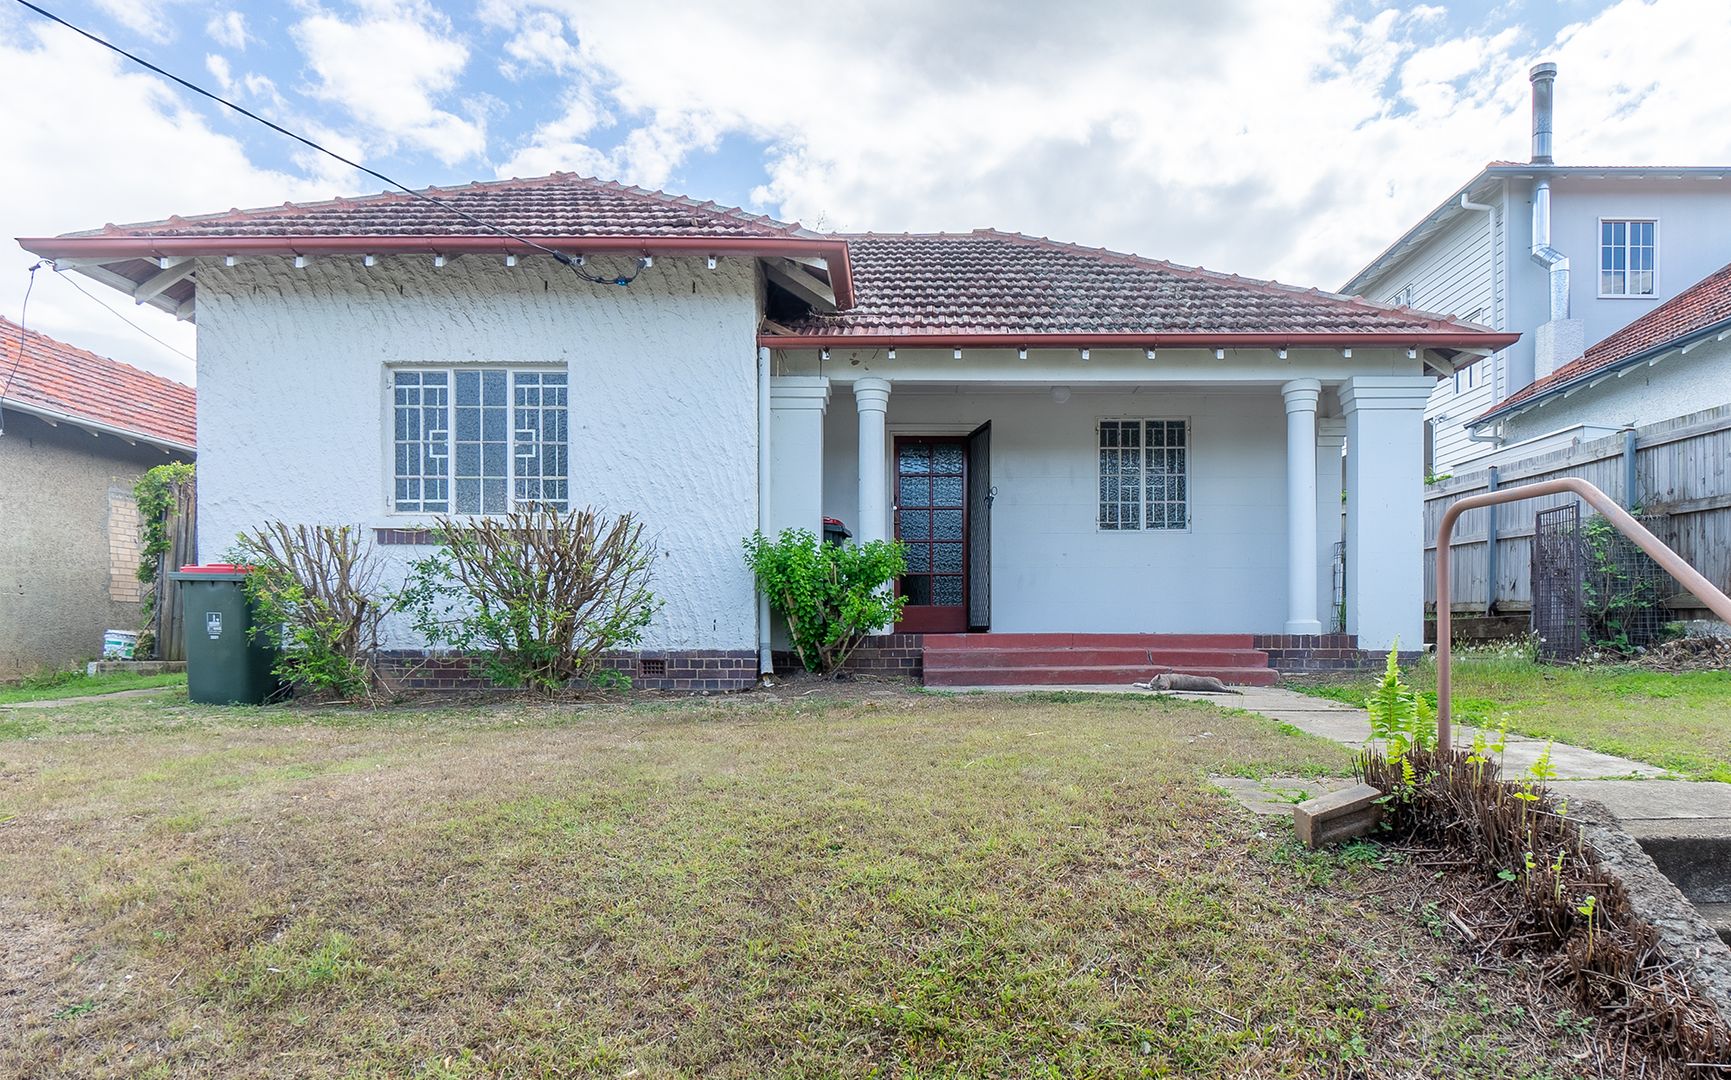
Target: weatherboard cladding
{"points": [[1701, 305], [50, 374]]}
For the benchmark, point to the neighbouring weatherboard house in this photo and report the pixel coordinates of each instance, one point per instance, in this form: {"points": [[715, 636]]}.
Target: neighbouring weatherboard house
{"points": [[76, 431], [1102, 465], [1563, 255]]}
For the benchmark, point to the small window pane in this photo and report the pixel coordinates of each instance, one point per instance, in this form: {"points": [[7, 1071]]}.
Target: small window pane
{"points": [[947, 524]]}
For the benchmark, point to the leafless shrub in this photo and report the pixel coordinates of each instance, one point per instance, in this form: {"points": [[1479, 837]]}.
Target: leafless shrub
{"points": [[540, 596], [1543, 892], [318, 586]]}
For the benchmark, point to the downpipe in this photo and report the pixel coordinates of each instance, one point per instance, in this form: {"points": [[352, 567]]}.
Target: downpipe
{"points": [[765, 645]]}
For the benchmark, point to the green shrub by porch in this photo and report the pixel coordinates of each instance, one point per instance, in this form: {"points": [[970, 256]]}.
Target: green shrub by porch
{"points": [[832, 595]]}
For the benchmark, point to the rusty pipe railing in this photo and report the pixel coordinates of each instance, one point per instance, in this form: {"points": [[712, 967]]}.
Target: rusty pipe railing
{"points": [[1687, 575]]}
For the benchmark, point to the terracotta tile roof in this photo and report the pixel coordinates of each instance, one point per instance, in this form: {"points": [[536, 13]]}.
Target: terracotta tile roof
{"points": [[53, 376], [990, 282], [563, 205], [984, 282], [1700, 306]]}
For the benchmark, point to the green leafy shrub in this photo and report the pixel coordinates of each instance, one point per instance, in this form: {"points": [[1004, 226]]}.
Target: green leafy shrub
{"points": [[539, 596], [832, 595], [318, 587]]}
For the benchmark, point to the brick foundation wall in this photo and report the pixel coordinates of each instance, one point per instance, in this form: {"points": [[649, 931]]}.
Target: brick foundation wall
{"points": [[1314, 654], [896, 655], [689, 670]]}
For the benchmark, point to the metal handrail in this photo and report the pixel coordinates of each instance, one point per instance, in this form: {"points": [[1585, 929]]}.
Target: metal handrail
{"points": [[1687, 575]]}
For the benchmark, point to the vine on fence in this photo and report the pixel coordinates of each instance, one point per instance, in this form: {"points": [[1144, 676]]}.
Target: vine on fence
{"points": [[158, 492]]}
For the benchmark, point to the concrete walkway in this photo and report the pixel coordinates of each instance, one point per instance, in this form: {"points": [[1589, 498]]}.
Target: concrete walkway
{"points": [[1345, 724]]}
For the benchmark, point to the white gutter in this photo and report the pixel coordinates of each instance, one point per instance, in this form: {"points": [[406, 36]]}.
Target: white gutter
{"points": [[765, 646], [96, 427]]}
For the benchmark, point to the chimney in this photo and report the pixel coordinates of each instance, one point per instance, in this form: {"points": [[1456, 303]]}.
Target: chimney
{"points": [[1544, 79], [1560, 338]]}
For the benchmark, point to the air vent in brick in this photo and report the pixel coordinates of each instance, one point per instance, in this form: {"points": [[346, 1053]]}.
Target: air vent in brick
{"points": [[654, 669]]}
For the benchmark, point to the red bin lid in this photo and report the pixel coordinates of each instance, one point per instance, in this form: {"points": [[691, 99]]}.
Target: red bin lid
{"points": [[216, 568]]}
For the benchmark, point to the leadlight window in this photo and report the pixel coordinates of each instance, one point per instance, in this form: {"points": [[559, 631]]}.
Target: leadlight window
{"points": [[479, 440], [1144, 475], [1628, 252]]}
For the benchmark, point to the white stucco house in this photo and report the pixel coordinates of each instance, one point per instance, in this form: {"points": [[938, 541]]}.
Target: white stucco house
{"points": [[1563, 255], [1101, 464]]}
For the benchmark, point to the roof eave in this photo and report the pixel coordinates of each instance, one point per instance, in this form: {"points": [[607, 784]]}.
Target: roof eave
{"points": [[97, 427], [1399, 249], [1654, 352], [1425, 339], [834, 252]]}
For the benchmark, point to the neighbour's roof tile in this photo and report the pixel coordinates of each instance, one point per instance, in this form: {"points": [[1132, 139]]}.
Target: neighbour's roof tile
{"points": [[1696, 308], [991, 282], [42, 372], [562, 205]]}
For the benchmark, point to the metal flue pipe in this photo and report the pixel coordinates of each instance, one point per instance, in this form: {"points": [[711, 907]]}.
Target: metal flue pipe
{"points": [[1686, 575]]}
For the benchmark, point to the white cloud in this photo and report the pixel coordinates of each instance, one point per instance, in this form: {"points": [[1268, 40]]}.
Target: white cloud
{"points": [[1271, 137], [388, 70], [219, 70], [228, 28], [144, 17], [135, 153]]}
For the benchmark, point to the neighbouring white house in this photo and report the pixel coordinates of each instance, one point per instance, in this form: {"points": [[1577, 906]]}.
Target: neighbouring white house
{"points": [[1102, 465], [1563, 255]]}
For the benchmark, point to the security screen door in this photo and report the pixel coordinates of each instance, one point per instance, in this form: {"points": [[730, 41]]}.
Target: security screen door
{"points": [[931, 522]]}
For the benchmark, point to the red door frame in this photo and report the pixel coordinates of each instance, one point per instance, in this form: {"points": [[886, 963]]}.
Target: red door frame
{"points": [[934, 618]]}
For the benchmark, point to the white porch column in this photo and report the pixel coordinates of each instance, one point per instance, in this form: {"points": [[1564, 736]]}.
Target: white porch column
{"points": [[871, 396], [1385, 508], [1330, 439], [1301, 395], [797, 405]]}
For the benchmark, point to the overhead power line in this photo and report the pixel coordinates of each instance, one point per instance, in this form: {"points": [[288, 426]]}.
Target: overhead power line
{"points": [[62, 275], [563, 258]]}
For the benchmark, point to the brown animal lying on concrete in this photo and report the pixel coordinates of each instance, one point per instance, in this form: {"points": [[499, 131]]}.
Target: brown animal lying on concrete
{"points": [[1194, 684]]}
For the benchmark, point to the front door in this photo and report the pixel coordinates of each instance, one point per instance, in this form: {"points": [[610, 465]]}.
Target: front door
{"points": [[931, 522]]}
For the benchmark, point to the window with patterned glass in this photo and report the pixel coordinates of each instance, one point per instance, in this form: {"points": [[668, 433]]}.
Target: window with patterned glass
{"points": [[1144, 475], [1628, 255], [479, 440]]}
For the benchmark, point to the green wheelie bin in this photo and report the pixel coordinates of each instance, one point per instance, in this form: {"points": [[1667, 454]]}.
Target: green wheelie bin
{"points": [[225, 663]]}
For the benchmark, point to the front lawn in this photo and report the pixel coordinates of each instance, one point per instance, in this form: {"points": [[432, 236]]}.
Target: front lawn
{"points": [[888, 885], [1679, 721]]}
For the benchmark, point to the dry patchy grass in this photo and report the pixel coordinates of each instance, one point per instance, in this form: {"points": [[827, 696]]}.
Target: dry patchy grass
{"points": [[897, 885]]}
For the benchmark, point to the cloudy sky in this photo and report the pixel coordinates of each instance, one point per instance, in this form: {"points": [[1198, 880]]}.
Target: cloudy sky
{"points": [[1290, 139]]}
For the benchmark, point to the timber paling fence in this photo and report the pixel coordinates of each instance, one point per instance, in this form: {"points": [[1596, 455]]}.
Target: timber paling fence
{"points": [[1681, 475]]}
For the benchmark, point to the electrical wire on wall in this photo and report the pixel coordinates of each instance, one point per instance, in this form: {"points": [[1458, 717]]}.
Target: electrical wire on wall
{"points": [[18, 360], [573, 262]]}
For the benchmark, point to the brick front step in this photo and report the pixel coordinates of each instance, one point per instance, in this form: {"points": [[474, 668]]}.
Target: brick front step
{"points": [[1160, 659], [1118, 675], [1083, 659], [941, 642]]}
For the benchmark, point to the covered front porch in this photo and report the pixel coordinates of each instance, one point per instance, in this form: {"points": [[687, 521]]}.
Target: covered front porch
{"points": [[1115, 492]]}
